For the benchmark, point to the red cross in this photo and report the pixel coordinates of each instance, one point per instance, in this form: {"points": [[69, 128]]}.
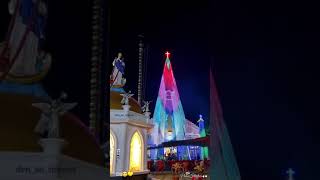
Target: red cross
{"points": [[167, 54]]}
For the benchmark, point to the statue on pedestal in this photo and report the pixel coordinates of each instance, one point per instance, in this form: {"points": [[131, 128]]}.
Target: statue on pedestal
{"points": [[51, 112], [145, 107], [125, 99], [22, 58], [116, 77]]}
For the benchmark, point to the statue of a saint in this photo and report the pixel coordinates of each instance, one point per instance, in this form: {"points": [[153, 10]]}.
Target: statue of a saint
{"points": [[23, 46], [125, 99], [118, 71], [51, 112]]}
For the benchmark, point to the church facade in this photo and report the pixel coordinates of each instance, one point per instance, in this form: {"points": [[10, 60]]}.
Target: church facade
{"points": [[128, 136]]}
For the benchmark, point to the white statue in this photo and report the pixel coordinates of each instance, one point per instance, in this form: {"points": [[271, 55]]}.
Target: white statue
{"points": [[26, 37], [118, 71], [145, 107], [125, 99], [51, 112]]}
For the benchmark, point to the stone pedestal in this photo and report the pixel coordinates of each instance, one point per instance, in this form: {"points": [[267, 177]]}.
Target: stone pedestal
{"points": [[126, 108], [52, 146], [52, 151], [147, 114]]}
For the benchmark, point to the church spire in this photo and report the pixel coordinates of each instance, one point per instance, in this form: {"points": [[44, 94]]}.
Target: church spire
{"points": [[168, 105]]}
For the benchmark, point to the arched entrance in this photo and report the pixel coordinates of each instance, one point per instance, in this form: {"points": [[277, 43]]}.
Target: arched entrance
{"points": [[136, 152], [112, 152]]}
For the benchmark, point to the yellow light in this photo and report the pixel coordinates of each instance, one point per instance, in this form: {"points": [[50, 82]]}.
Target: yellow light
{"points": [[135, 152], [130, 173], [112, 144], [124, 174], [166, 151]]}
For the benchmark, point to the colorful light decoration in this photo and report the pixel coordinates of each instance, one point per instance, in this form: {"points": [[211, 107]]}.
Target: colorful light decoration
{"points": [[135, 152], [168, 108]]}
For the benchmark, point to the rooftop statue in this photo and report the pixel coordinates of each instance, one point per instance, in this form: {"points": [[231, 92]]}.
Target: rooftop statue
{"points": [[51, 112], [22, 55], [125, 99], [145, 107], [118, 72]]}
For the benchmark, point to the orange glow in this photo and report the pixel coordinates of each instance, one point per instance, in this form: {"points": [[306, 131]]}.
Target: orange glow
{"points": [[135, 153]]}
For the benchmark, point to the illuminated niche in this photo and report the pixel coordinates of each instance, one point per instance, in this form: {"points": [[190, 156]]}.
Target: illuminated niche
{"points": [[112, 150], [136, 152]]}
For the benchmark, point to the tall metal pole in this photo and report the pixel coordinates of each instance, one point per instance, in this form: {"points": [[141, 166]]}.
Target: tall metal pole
{"points": [[96, 62], [140, 85]]}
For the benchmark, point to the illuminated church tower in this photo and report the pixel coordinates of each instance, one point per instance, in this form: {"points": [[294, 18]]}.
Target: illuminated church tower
{"points": [[169, 119]]}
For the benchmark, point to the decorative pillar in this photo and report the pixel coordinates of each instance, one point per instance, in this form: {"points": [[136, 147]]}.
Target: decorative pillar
{"points": [[147, 114], [52, 146], [52, 151], [126, 109]]}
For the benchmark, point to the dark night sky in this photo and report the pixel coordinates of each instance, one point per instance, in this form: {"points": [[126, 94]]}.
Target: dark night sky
{"points": [[264, 55]]}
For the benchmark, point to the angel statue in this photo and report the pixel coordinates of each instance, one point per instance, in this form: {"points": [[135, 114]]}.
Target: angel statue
{"points": [[118, 71], [145, 107], [125, 99], [51, 112]]}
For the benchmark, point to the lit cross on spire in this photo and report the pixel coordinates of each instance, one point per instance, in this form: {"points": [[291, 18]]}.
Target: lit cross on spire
{"points": [[167, 54]]}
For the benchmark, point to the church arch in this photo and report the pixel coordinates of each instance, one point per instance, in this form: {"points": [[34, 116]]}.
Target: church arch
{"points": [[136, 152], [113, 147]]}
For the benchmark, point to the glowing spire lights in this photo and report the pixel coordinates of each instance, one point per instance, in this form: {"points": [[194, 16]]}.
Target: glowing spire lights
{"points": [[168, 108]]}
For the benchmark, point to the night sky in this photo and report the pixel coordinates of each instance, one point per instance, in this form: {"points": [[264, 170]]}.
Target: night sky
{"points": [[263, 53]]}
